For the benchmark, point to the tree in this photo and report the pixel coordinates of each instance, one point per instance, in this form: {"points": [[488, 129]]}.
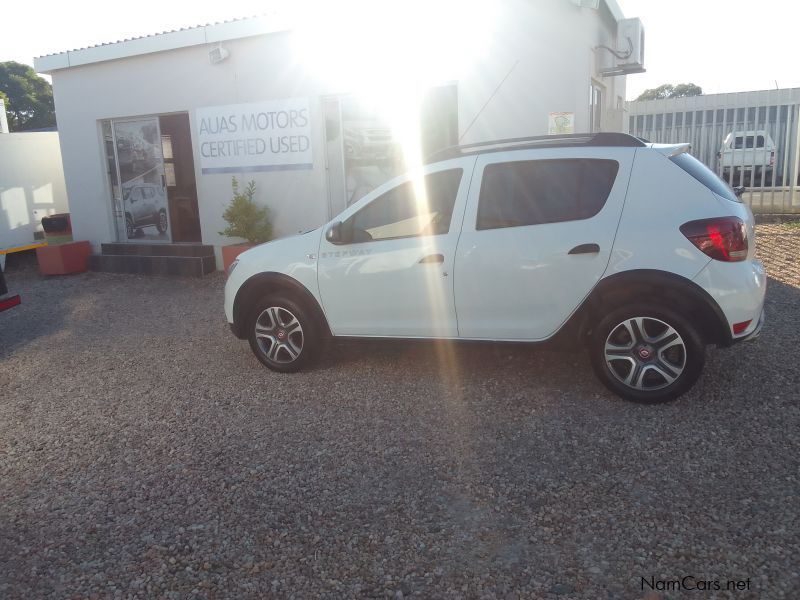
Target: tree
{"points": [[29, 103], [668, 90]]}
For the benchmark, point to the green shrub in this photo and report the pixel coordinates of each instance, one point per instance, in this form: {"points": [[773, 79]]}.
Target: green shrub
{"points": [[245, 218]]}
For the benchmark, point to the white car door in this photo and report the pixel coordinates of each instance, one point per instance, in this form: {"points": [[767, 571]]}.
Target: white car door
{"points": [[390, 272], [537, 236]]}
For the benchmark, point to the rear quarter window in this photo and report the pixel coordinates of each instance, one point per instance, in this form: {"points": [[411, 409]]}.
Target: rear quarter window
{"points": [[534, 192], [704, 175]]}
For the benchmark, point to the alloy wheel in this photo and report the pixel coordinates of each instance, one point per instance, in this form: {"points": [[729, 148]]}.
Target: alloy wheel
{"points": [[279, 335], [645, 353]]}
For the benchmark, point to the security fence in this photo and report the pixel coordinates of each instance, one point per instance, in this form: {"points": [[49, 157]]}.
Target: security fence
{"points": [[750, 139]]}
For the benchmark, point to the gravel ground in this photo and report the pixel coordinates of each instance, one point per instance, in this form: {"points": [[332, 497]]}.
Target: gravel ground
{"points": [[144, 452]]}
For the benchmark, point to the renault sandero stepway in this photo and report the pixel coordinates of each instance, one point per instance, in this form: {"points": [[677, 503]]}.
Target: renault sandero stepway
{"points": [[637, 252]]}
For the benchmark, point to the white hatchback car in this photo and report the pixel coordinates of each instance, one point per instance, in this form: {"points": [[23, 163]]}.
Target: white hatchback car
{"points": [[636, 251]]}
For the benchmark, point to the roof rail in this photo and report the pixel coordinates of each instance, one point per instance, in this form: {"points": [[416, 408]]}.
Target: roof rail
{"points": [[540, 141]]}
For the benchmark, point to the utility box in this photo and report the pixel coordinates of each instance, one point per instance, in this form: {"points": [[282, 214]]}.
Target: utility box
{"points": [[630, 44]]}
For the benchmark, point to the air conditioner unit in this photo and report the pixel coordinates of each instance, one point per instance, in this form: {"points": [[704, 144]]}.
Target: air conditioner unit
{"points": [[218, 54], [630, 44]]}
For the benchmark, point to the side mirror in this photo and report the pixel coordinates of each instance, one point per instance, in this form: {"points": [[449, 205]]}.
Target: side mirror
{"points": [[739, 190], [334, 233]]}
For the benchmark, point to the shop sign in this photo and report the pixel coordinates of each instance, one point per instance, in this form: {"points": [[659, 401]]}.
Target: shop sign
{"points": [[257, 136]]}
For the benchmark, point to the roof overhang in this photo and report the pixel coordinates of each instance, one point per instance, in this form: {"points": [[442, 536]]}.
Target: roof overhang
{"points": [[616, 11], [160, 42]]}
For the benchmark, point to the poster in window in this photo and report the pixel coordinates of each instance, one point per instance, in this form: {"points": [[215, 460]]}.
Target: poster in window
{"points": [[561, 123]]}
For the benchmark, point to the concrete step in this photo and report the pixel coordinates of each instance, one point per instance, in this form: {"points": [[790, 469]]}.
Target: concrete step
{"points": [[144, 249], [187, 266]]}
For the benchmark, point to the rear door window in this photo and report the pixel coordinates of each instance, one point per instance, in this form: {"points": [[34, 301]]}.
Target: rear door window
{"points": [[535, 192]]}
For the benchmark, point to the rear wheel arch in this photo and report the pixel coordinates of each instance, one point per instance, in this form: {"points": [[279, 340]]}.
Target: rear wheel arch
{"points": [[263, 284], [660, 287]]}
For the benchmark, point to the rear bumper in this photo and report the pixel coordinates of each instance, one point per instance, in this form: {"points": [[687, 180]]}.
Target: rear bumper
{"points": [[738, 289], [755, 332]]}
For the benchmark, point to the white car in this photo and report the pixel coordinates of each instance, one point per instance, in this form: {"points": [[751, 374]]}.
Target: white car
{"points": [[747, 158], [145, 205], [636, 251]]}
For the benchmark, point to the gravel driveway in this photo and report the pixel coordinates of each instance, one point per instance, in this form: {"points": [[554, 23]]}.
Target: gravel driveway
{"points": [[144, 452]]}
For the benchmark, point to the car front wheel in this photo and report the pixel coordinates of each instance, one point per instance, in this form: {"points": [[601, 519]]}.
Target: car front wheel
{"points": [[647, 353], [283, 335]]}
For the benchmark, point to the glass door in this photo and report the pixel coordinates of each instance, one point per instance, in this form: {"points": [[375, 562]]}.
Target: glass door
{"points": [[142, 190]]}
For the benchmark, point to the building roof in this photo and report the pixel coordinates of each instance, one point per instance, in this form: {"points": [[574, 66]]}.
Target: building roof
{"points": [[158, 42], [210, 33]]}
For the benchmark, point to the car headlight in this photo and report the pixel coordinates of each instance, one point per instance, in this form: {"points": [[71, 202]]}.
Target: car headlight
{"points": [[232, 266]]}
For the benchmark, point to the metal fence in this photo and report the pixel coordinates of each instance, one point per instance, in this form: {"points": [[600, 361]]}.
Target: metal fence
{"points": [[760, 132]]}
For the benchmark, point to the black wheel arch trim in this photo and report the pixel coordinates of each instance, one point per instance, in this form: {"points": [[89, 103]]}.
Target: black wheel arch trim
{"points": [[254, 287], [669, 286]]}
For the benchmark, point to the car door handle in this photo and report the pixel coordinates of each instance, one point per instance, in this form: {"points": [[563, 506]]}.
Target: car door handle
{"points": [[585, 249], [432, 258]]}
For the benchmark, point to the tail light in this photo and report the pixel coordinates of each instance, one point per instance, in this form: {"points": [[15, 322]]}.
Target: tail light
{"points": [[721, 238], [772, 157]]}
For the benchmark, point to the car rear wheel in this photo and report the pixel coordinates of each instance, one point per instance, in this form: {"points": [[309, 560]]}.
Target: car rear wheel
{"points": [[130, 230], [283, 335], [647, 353]]}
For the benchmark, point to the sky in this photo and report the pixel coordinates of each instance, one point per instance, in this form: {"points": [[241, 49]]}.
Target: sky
{"points": [[720, 45]]}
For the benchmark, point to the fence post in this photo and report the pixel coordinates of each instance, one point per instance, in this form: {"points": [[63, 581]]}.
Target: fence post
{"points": [[795, 159]]}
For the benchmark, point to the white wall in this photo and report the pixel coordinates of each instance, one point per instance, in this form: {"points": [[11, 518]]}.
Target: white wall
{"points": [[546, 52], [552, 39], [31, 185], [3, 117]]}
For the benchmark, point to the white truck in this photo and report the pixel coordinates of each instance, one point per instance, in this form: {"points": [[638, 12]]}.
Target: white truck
{"points": [[747, 158]]}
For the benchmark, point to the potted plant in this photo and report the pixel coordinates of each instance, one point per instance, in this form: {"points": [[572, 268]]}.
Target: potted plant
{"points": [[246, 220]]}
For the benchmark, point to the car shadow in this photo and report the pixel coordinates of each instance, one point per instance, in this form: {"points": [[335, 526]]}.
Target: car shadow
{"points": [[42, 311]]}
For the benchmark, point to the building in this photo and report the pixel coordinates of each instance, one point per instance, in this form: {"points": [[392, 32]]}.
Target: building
{"points": [[748, 138], [152, 129], [31, 186]]}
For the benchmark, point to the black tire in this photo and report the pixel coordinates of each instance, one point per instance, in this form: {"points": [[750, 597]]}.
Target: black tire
{"points": [[162, 224], [130, 230], [262, 345], [682, 356]]}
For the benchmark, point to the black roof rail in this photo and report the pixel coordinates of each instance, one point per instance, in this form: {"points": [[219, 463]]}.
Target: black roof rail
{"points": [[607, 139]]}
